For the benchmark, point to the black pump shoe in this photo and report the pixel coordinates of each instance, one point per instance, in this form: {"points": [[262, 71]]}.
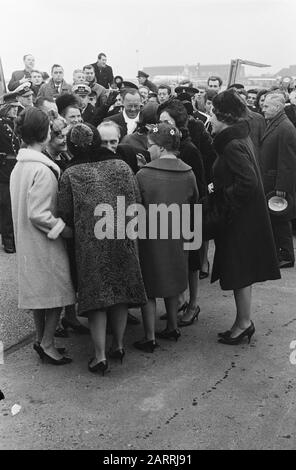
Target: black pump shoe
{"points": [[101, 367], [146, 346], [166, 334], [56, 362], [196, 312], [224, 334], [248, 332], [39, 350], [117, 354]]}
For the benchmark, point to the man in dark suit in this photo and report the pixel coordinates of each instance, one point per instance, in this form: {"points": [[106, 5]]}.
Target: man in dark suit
{"points": [[277, 158], [103, 72], [56, 85], [129, 118], [20, 76], [290, 109]]}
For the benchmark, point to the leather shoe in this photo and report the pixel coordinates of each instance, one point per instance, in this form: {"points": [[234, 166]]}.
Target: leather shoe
{"points": [[286, 264]]}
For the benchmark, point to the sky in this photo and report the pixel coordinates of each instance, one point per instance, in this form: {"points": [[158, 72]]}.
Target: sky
{"points": [[134, 34]]}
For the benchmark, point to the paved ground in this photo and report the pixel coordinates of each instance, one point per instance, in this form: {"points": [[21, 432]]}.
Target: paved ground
{"points": [[193, 394]]}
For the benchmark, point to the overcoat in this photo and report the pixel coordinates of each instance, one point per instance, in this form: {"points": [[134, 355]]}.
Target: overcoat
{"points": [[16, 77], [164, 262], [49, 91], [44, 279], [108, 270], [244, 251], [277, 158]]}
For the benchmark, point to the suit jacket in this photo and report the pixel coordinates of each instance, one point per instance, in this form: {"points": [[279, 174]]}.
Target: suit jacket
{"points": [[290, 111], [277, 156], [104, 75], [16, 77], [48, 90], [257, 128]]}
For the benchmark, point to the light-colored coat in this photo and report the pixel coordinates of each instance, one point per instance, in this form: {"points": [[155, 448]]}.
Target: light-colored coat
{"points": [[43, 267]]}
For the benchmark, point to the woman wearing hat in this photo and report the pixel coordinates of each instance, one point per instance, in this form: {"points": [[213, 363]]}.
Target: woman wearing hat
{"points": [[108, 269], [245, 251]]}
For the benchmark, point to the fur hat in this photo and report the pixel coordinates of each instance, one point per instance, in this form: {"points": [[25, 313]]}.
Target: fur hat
{"points": [[228, 106]]}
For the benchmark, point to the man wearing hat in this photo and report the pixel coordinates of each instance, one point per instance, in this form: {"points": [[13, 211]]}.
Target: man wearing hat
{"points": [[88, 112], [277, 158], [24, 95], [143, 80], [9, 147]]}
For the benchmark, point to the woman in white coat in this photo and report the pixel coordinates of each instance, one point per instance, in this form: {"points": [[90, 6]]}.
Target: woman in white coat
{"points": [[44, 279]]}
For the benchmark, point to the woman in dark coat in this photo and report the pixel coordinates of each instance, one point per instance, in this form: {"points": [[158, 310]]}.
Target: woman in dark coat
{"points": [[108, 269], [245, 251], [175, 113], [165, 180]]}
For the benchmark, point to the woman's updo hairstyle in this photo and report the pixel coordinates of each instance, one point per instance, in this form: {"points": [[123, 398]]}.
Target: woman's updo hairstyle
{"points": [[32, 126], [176, 110], [83, 141], [165, 135], [229, 107]]}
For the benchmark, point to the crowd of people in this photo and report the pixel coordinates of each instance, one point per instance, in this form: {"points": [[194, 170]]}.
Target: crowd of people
{"points": [[65, 149]]}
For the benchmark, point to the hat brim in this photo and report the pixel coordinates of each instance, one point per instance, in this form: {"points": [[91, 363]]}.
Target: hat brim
{"points": [[278, 206]]}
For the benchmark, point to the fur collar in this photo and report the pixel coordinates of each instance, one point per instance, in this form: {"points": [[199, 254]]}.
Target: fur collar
{"points": [[168, 164], [240, 130]]}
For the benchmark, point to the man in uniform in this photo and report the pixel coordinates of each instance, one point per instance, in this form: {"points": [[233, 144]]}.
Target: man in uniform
{"points": [[9, 147], [24, 96]]}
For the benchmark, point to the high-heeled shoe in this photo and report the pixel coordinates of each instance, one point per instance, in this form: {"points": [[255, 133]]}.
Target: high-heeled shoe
{"points": [[248, 332], [39, 350], [147, 346], [56, 362], [224, 334], [81, 329], [194, 317], [99, 367], [117, 354], [180, 309], [204, 274], [166, 334]]}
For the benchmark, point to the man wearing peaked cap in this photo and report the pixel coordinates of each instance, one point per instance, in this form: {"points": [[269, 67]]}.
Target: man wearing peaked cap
{"points": [[88, 111], [9, 146], [143, 80], [9, 99], [81, 89], [24, 95]]}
